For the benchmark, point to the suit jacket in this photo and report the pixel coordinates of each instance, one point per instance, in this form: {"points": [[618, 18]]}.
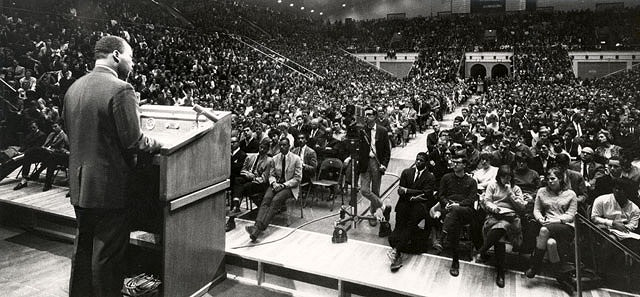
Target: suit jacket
{"points": [[101, 119], [590, 171], [383, 147], [432, 140], [262, 167], [577, 184], [309, 157], [292, 172], [425, 184], [535, 163], [237, 161], [33, 140], [251, 147]]}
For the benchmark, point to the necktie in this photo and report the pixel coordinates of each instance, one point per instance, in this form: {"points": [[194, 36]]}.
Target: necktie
{"points": [[284, 166], [417, 176], [585, 174]]}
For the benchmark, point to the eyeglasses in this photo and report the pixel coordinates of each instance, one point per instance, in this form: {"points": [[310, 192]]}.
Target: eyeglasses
{"points": [[369, 115]]}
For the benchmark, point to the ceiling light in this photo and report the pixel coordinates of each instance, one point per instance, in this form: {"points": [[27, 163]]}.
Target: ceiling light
{"points": [[312, 10], [302, 8], [279, 1], [291, 4], [344, 4], [321, 13]]}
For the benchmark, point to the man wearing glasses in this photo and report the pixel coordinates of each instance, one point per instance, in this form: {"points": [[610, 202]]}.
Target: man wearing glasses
{"points": [[375, 152], [458, 194]]}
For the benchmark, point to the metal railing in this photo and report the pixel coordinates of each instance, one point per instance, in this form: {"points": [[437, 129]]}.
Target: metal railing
{"points": [[580, 221]]}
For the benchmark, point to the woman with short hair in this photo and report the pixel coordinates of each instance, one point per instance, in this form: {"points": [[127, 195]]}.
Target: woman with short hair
{"points": [[554, 209], [502, 200]]}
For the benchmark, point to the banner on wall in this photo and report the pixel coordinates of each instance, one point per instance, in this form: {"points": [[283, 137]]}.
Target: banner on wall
{"points": [[488, 6]]}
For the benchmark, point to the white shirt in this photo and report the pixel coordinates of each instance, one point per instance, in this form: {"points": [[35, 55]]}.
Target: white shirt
{"points": [[418, 174], [606, 210], [372, 136]]}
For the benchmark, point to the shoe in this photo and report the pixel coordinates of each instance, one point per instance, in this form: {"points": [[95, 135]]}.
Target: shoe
{"points": [[385, 229], [535, 261], [235, 206], [373, 222], [20, 186], [437, 246], [397, 262], [46, 188], [500, 278], [391, 254], [253, 232], [455, 268], [230, 225], [481, 258], [387, 213]]}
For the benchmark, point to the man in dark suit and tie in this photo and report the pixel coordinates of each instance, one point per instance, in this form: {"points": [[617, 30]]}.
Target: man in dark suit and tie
{"points": [[432, 138], [237, 159], [590, 169], [284, 181], [375, 152], [249, 144], [415, 199], [308, 156], [101, 118], [254, 175]]}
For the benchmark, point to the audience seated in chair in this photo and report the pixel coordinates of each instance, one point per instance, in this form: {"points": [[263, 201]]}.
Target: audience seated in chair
{"points": [[616, 213], [11, 158], [416, 189], [54, 152], [254, 176], [458, 193], [284, 180]]}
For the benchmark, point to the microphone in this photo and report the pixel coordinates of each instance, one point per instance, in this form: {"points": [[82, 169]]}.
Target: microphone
{"points": [[207, 113]]}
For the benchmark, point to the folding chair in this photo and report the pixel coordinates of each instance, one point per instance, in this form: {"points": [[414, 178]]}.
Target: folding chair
{"points": [[329, 177]]}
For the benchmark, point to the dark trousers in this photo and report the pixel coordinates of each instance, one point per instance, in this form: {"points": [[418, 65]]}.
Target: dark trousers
{"points": [[97, 266], [271, 204], [55, 159], [244, 187], [563, 234], [455, 219], [406, 231], [31, 156]]}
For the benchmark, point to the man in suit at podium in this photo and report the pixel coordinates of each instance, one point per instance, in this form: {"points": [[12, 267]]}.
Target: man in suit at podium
{"points": [[104, 132], [284, 180]]}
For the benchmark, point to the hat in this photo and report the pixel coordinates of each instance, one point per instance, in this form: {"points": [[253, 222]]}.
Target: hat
{"points": [[588, 150]]}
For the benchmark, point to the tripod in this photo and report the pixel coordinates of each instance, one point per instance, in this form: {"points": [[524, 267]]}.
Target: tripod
{"points": [[351, 215]]}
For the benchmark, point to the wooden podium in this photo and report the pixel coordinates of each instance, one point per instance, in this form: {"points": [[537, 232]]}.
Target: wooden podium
{"points": [[189, 180]]}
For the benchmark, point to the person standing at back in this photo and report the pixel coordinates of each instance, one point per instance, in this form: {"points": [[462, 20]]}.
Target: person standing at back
{"points": [[101, 117]]}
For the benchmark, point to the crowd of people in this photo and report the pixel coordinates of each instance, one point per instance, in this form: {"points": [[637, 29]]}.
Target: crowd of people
{"points": [[527, 154]]}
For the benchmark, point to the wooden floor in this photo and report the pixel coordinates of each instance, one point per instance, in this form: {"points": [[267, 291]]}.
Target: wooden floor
{"points": [[363, 263], [53, 202]]}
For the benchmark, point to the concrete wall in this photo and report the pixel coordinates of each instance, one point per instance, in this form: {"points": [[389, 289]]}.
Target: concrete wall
{"points": [[597, 64], [398, 67]]}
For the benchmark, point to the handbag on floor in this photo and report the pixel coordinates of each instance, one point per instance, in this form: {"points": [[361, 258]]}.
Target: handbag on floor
{"points": [[141, 285]]}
